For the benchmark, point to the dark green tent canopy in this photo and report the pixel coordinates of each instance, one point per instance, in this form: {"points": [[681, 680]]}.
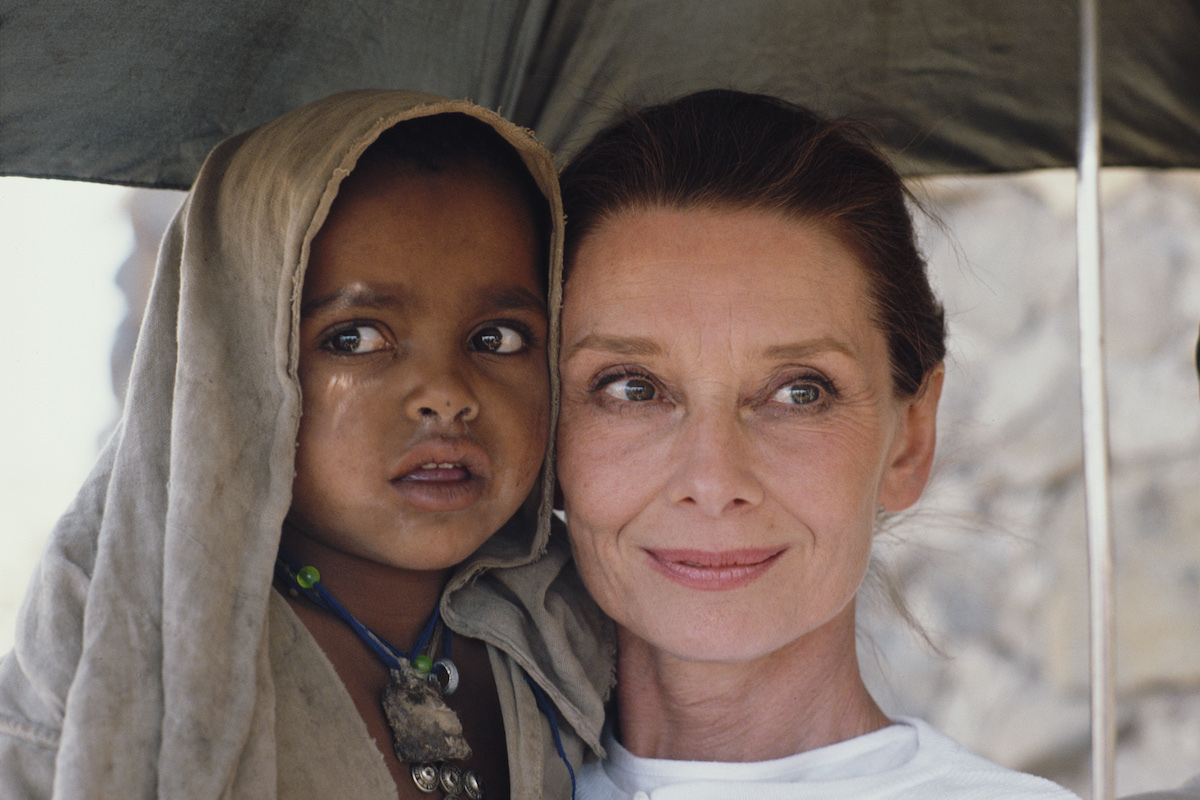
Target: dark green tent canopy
{"points": [[138, 91]]}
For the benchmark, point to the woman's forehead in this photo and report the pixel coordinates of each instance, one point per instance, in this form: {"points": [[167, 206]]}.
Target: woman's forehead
{"points": [[726, 253], [754, 281]]}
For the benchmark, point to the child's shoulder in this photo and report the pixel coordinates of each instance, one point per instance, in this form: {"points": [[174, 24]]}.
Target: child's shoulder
{"points": [[541, 617]]}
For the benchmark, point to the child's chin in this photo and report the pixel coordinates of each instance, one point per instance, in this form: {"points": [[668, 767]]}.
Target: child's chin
{"points": [[443, 559]]}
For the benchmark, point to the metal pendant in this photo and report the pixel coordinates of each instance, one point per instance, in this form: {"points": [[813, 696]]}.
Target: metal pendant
{"points": [[445, 667], [425, 776], [452, 779], [473, 784]]}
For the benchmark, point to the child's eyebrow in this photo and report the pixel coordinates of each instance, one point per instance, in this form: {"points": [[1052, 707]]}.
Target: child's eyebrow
{"points": [[498, 298], [506, 298], [353, 297]]}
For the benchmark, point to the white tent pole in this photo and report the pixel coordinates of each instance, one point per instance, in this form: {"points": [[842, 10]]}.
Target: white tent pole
{"points": [[1095, 412]]}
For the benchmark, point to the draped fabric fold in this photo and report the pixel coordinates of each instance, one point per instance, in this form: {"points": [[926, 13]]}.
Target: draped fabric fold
{"points": [[138, 91]]}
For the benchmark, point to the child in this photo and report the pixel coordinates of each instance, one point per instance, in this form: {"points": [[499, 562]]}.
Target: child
{"points": [[397, 296]]}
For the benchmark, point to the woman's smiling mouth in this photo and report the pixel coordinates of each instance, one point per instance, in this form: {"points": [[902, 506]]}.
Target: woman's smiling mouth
{"points": [[714, 571]]}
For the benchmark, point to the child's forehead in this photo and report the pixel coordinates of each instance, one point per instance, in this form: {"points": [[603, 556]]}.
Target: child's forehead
{"points": [[405, 237], [453, 186], [375, 172]]}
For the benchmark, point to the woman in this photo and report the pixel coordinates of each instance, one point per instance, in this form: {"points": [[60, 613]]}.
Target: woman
{"points": [[751, 364]]}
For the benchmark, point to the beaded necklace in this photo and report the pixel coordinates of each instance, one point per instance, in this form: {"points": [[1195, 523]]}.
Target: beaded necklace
{"points": [[426, 733]]}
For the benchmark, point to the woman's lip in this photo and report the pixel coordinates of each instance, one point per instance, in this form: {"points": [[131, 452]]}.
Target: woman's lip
{"points": [[712, 571]]}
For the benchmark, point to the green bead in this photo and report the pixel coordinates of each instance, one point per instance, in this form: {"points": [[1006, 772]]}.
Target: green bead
{"points": [[308, 577], [423, 664]]}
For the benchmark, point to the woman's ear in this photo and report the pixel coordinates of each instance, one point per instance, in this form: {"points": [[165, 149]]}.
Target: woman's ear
{"points": [[912, 453]]}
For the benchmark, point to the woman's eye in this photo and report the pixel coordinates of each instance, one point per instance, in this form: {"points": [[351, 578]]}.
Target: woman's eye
{"points": [[798, 394], [498, 339], [634, 390], [357, 339]]}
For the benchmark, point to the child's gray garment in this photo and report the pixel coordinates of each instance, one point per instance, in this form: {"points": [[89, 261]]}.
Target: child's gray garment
{"points": [[152, 658]]}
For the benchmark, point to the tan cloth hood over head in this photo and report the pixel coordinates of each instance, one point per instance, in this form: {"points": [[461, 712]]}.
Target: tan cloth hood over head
{"points": [[169, 546]]}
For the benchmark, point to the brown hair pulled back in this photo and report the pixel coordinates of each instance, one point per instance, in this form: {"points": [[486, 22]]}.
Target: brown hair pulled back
{"points": [[728, 148]]}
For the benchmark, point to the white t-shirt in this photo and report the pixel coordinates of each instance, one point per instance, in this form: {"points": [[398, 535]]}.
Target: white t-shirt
{"points": [[906, 760]]}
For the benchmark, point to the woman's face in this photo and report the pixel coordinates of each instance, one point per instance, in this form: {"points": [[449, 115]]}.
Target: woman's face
{"points": [[728, 428]]}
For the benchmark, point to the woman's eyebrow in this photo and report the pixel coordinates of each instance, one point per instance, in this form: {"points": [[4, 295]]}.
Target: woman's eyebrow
{"points": [[801, 350], [620, 345]]}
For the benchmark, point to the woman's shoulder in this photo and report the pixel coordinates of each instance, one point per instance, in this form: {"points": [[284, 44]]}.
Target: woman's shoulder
{"points": [[947, 769]]}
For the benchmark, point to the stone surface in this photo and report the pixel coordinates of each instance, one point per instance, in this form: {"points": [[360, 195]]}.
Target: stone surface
{"points": [[994, 561]]}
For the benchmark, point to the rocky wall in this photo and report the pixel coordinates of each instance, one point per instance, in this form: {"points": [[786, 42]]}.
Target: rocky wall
{"points": [[993, 561]]}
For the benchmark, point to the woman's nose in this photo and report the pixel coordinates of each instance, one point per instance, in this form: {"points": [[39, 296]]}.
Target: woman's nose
{"points": [[441, 395], [713, 469]]}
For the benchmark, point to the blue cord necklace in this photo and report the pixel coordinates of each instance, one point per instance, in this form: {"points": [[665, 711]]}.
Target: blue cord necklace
{"points": [[426, 733], [307, 581]]}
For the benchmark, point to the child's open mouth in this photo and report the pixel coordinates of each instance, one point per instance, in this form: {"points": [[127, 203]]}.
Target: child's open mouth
{"points": [[444, 471], [442, 475]]}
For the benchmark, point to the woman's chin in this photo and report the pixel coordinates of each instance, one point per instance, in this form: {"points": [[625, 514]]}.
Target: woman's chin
{"points": [[734, 633], [702, 644]]}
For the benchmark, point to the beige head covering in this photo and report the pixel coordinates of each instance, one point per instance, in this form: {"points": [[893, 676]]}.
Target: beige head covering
{"points": [[148, 613]]}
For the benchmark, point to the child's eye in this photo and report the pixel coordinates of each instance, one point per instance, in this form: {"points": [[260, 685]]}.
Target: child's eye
{"points": [[356, 339], [631, 389], [499, 339]]}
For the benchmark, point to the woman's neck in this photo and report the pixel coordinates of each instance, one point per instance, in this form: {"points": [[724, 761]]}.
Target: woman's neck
{"points": [[804, 696]]}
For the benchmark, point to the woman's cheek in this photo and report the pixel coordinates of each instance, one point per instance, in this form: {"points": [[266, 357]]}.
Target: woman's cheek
{"points": [[582, 429], [584, 475], [597, 479], [603, 459]]}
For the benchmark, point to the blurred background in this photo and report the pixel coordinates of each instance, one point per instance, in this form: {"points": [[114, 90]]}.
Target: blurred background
{"points": [[992, 562]]}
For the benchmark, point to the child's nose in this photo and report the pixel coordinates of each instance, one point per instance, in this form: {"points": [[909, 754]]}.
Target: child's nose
{"points": [[443, 397]]}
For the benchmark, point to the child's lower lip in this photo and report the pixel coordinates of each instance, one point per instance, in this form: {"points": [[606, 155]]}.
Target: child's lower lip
{"points": [[708, 571], [439, 489]]}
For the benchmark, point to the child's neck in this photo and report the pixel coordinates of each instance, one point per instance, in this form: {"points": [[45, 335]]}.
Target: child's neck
{"points": [[394, 602]]}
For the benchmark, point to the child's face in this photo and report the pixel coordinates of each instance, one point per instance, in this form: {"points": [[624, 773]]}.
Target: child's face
{"points": [[422, 367]]}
